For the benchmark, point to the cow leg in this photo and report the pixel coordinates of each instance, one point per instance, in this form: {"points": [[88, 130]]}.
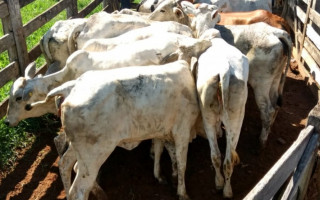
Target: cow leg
{"points": [[172, 153], [98, 192], [89, 161], [233, 119], [181, 135], [61, 143], [66, 164], [158, 149], [267, 111], [210, 109]]}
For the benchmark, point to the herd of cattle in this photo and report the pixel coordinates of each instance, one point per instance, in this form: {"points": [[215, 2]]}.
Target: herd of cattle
{"points": [[171, 71]]}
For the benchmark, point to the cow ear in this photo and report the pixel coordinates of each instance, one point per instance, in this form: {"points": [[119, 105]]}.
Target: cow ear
{"points": [[30, 71], [188, 7], [214, 14], [178, 12]]}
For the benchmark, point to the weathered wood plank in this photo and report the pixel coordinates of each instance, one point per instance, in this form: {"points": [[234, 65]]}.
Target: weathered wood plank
{"points": [[311, 48], [277, 175], [315, 17], [310, 81], [72, 9], [44, 17], [302, 174], [301, 14], [90, 7], [3, 9], [42, 69], [314, 69], [304, 30], [7, 29], [6, 41], [314, 36], [34, 53], [3, 107], [111, 5], [8, 73], [23, 3], [15, 17]]}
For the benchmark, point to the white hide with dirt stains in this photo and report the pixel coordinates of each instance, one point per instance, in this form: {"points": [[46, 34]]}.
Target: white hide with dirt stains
{"points": [[165, 48], [268, 50], [128, 105]]}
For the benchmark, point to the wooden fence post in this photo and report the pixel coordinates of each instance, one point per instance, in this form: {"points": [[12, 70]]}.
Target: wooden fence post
{"points": [[7, 28], [304, 30], [72, 9], [17, 29]]}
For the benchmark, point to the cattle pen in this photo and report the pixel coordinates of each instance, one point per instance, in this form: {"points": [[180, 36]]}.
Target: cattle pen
{"points": [[287, 178]]}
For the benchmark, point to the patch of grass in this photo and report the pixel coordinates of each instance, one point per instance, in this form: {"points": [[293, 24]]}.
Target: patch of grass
{"points": [[4, 91], [12, 139], [4, 59]]}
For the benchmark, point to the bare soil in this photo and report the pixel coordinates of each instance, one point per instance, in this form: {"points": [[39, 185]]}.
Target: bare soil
{"points": [[129, 174]]}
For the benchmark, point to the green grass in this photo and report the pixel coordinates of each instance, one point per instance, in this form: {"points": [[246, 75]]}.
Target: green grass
{"points": [[12, 139]]}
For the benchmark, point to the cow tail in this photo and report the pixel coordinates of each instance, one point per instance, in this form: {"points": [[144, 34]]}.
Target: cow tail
{"points": [[73, 36], [224, 89], [287, 46]]}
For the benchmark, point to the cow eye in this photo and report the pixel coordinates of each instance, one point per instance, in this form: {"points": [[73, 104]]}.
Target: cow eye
{"points": [[162, 11], [18, 98]]}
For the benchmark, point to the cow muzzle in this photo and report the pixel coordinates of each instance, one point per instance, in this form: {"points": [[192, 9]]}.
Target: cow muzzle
{"points": [[6, 122]]}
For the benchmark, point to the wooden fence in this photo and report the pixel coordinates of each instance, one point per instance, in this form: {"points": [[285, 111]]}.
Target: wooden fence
{"points": [[293, 168], [296, 164], [304, 19], [15, 34]]}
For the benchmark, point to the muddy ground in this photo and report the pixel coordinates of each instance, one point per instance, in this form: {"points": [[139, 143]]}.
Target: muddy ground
{"points": [[129, 174]]}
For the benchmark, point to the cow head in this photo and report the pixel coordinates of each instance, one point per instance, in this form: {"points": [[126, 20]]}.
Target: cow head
{"points": [[22, 93], [205, 16], [169, 10]]}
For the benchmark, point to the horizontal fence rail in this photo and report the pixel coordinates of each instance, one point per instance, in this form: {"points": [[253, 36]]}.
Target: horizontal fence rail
{"points": [[270, 184]]}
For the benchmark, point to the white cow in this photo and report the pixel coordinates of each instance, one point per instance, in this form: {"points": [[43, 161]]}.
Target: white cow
{"points": [[54, 42], [165, 48], [131, 105], [155, 28], [269, 52], [267, 48], [104, 25], [65, 36], [147, 6], [221, 80], [170, 10], [222, 75]]}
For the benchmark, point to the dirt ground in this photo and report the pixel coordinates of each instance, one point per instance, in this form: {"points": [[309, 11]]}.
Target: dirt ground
{"points": [[129, 174]]}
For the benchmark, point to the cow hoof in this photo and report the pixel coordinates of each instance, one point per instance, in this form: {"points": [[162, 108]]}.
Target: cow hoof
{"points": [[219, 183], [162, 180], [185, 197], [227, 192]]}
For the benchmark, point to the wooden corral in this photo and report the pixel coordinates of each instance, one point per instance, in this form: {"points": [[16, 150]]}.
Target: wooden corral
{"points": [[289, 177], [304, 18]]}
